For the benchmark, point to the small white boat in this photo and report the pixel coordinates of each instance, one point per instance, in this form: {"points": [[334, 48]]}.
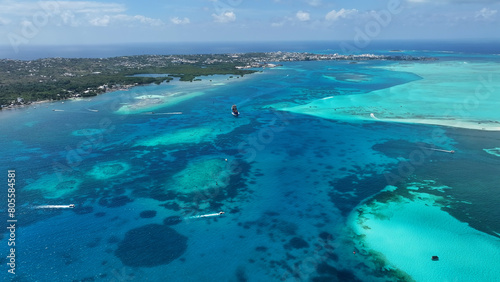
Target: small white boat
{"points": [[234, 111]]}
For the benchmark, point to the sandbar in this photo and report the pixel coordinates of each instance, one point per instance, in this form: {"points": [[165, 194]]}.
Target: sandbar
{"points": [[408, 232]]}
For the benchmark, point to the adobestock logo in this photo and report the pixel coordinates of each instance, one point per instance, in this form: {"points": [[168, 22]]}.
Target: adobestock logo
{"points": [[31, 27]]}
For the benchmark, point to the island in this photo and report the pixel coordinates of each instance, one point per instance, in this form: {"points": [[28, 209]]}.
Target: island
{"points": [[23, 82]]}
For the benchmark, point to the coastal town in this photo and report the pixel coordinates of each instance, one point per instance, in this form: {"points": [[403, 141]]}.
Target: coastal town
{"points": [[23, 82]]}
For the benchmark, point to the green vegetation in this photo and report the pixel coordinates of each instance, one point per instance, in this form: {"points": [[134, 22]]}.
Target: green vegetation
{"points": [[188, 72], [60, 78]]}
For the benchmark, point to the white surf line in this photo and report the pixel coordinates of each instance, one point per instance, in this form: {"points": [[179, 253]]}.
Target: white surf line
{"points": [[205, 215], [55, 207]]}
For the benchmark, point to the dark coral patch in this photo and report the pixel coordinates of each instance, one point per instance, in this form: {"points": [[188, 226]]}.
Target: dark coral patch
{"points": [[172, 206], [363, 188], [296, 243], [326, 236], [148, 214], [241, 276], [83, 209], [172, 220], [271, 213], [100, 214], [113, 240], [334, 274], [151, 245], [261, 249], [115, 202]]}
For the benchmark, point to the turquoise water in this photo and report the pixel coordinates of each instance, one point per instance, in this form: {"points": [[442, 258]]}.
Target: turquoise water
{"points": [[312, 188]]}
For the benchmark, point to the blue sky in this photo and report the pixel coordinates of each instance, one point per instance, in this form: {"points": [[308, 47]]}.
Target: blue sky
{"points": [[107, 21]]}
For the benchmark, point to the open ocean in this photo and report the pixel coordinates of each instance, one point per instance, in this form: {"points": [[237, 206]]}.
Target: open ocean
{"points": [[334, 171]]}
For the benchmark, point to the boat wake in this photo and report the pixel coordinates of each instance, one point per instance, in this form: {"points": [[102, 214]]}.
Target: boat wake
{"points": [[205, 215], [55, 206], [440, 150], [373, 116], [172, 113]]}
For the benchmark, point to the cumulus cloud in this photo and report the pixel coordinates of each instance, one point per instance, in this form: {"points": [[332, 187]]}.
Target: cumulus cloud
{"points": [[177, 20], [139, 19], [106, 20], [341, 14], [303, 16], [486, 13], [100, 21], [74, 13], [225, 17]]}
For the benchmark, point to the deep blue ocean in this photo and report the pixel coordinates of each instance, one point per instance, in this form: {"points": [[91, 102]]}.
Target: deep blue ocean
{"points": [[31, 52], [169, 186]]}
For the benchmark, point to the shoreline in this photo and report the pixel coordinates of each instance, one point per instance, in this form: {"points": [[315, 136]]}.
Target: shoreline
{"points": [[31, 103], [422, 101], [401, 231], [139, 108], [61, 77]]}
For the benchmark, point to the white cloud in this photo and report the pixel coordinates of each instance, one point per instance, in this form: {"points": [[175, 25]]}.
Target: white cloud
{"points": [[20, 8], [485, 13], [107, 20], [225, 17], [74, 13], [101, 21], [139, 19], [278, 24], [176, 20], [86, 7], [303, 16], [341, 14], [68, 18], [314, 3], [4, 21]]}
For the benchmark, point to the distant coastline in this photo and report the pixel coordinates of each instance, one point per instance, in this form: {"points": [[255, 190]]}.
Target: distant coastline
{"points": [[33, 52], [25, 82]]}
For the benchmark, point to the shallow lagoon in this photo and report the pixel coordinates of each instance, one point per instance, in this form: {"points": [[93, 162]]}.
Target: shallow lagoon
{"points": [[458, 94], [292, 183], [408, 233]]}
